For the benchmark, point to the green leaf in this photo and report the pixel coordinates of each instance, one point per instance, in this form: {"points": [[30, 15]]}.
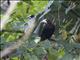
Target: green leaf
{"points": [[60, 53], [52, 54], [15, 58]]}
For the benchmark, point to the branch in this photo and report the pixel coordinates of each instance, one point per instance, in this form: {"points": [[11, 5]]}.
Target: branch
{"points": [[5, 18], [72, 6], [73, 11], [28, 31], [75, 26]]}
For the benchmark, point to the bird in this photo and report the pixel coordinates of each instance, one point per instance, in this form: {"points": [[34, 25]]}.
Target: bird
{"points": [[47, 31]]}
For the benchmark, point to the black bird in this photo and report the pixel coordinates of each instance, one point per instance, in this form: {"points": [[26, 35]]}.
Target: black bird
{"points": [[47, 31]]}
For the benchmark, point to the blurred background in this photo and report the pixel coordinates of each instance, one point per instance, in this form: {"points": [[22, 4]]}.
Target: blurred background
{"points": [[18, 40]]}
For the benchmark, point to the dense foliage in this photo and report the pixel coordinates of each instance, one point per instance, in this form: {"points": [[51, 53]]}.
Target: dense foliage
{"points": [[67, 35]]}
